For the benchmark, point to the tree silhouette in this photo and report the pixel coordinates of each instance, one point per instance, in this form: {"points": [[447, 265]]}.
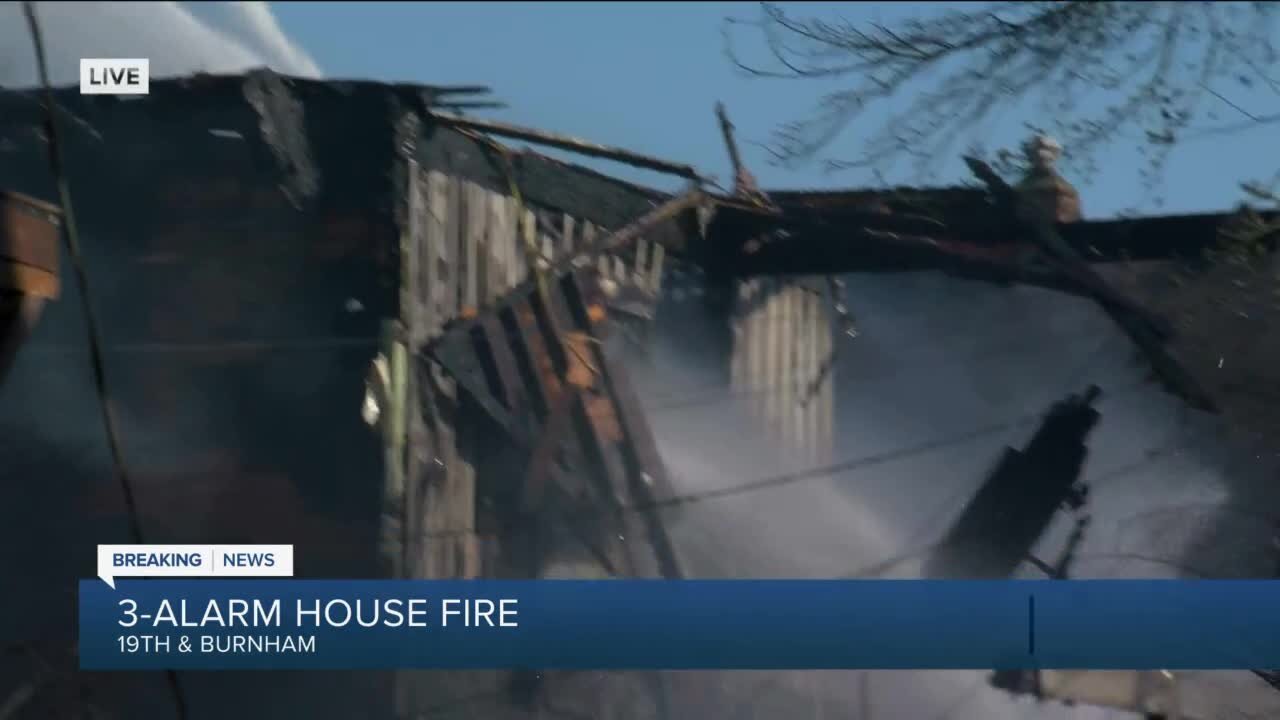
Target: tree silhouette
{"points": [[1154, 73]]}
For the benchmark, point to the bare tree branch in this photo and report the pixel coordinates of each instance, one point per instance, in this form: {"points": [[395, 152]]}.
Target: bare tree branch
{"points": [[1155, 71]]}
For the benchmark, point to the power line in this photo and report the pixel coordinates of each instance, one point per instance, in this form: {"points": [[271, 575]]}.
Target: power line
{"points": [[91, 326], [812, 473], [861, 462], [858, 463], [1155, 455], [680, 398], [822, 471]]}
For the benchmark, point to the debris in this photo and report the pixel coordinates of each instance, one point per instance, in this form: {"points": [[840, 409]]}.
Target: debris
{"points": [[377, 390], [744, 183], [1147, 330], [565, 142], [283, 127]]}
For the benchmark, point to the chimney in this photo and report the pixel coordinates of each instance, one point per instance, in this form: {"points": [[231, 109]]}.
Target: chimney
{"points": [[1043, 191]]}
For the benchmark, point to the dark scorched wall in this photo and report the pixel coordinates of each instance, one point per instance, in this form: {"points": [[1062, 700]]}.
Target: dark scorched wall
{"points": [[241, 237]]}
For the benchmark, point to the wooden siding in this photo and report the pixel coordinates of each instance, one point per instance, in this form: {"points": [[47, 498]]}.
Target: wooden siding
{"points": [[461, 251], [781, 343]]}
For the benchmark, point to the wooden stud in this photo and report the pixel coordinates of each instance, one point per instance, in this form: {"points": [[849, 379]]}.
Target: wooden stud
{"points": [[567, 239]]}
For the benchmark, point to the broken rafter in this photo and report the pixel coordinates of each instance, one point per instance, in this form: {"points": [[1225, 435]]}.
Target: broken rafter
{"points": [[461, 89], [566, 142], [645, 223], [468, 105], [744, 183], [1063, 256], [1147, 330]]}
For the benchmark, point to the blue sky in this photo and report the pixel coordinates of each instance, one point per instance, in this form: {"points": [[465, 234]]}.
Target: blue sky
{"points": [[647, 75]]}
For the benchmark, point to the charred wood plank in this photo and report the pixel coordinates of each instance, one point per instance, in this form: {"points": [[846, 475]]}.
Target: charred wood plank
{"points": [[1044, 236], [604, 455], [566, 142], [501, 364], [655, 484], [671, 210], [543, 459], [648, 483], [744, 183], [456, 355], [442, 90], [1147, 330], [814, 221], [808, 241], [532, 355]]}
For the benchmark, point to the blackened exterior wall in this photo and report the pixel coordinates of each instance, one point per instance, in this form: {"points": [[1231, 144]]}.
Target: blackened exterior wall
{"points": [[242, 236]]}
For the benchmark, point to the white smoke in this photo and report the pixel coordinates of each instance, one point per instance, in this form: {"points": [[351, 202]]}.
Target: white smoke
{"points": [[178, 38]]}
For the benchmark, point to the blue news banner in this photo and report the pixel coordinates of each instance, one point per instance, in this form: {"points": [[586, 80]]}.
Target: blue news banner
{"points": [[634, 624]]}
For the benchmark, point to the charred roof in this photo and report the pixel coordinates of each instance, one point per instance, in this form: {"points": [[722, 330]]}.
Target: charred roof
{"points": [[291, 118]]}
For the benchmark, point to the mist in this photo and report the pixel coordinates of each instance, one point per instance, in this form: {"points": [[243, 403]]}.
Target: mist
{"points": [[179, 39], [937, 358]]}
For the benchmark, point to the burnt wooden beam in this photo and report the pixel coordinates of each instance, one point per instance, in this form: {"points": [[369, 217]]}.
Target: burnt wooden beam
{"points": [[869, 242], [1147, 330], [479, 105], [833, 233], [566, 142], [656, 486], [1043, 234], [558, 361], [533, 357], [543, 458], [458, 357], [501, 364], [744, 183], [855, 238], [648, 480], [461, 89], [669, 211]]}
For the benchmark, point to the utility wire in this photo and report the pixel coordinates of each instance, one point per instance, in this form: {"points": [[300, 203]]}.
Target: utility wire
{"points": [[823, 471], [71, 236], [689, 396], [1151, 457], [859, 463]]}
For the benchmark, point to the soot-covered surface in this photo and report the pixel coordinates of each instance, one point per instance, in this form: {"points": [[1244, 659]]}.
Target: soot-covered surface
{"points": [[238, 441], [240, 233]]}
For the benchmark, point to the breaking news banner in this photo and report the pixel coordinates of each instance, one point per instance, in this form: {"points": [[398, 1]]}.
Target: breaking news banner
{"points": [[215, 622]]}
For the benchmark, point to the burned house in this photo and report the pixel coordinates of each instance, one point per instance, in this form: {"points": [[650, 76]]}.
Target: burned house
{"points": [[280, 264], [268, 257]]}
